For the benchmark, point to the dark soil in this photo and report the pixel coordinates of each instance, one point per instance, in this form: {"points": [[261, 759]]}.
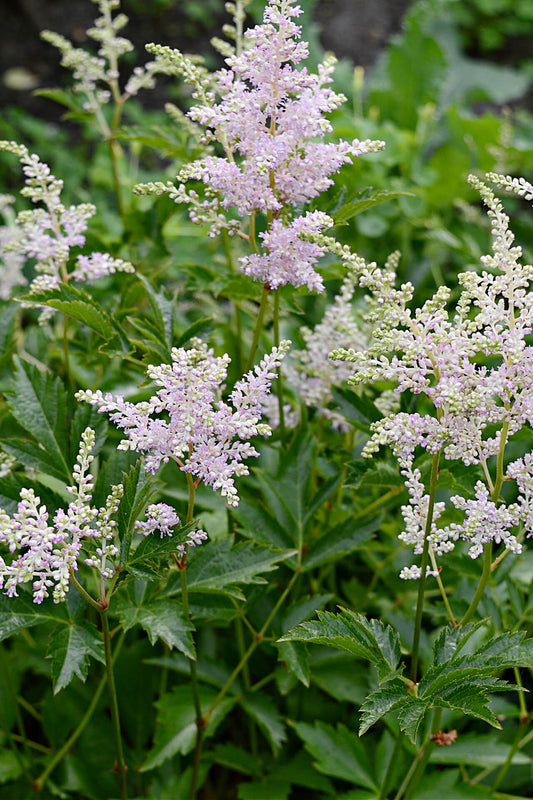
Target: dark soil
{"points": [[358, 29]]}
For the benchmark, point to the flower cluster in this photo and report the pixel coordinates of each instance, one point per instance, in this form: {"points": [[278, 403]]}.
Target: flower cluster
{"points": [[96, 77], [11, 258], [46, 551], [48, 233], [187, 421], [469, 407], [270, 120], [310, 372], [162, 517]]}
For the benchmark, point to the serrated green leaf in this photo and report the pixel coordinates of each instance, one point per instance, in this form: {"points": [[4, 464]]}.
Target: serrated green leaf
{"points": [[197, 327], [138, 491], [367, 198], [267, 717], [221, 566], [294, 655], [337, 752], [161, 619], [152, 553], [391, 694], [344, 538], [259, 524], [410, 715], [176, 723], [38, 403], [17, 613], [163, 308], [69, 650], [27, 453], [354, 633], [79, 305]]}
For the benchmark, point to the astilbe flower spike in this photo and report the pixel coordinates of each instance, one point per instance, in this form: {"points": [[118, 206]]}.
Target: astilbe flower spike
{"points": [[45, 550], [187, 421], [470, 408], [270, 119], [47, 234]]}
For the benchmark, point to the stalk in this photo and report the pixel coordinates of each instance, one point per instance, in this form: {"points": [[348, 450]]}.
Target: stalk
{"points": [[423, 565], [279, 382], [255, 643], [258, 326], [420, 761], [39, 783], [517, 742], [121, 767], [200, 721]]}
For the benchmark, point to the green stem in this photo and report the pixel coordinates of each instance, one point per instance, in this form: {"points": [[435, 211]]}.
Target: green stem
{"points": [[236, 308], [200, 724], [39, 783], [391, 766], [420, 761], [485, 575], [92, 602], [258, 326], [441, 588], [66, 353], [424, 564], [257, 641], [115, 719], [487, 561], [22, 762], [279, 382], [517, 742]]}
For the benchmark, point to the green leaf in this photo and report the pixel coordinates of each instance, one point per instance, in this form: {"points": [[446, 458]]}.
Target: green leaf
{"points": [[366, 198], [337, 752], [261, 709], [236, 759], [269, 788], [139, 488], [161, 619], [477, 750], [69, 650], [10, 766], [259, 524], [164, 309], [294, 655], [38, 403], [224, 567], [153, 552], [8, 313], [79, 305], [390, 695], [176, 723], [17, 613], [344, 538], [354, 633]]}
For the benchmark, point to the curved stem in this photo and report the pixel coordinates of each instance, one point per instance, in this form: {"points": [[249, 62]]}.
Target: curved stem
{"points": [[39, 783], [258, 326], [441, 588], [121, 767], [424, 564]]}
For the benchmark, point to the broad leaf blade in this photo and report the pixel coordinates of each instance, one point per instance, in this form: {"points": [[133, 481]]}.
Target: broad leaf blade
{"points": [[70, 648], [161, 619]]}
